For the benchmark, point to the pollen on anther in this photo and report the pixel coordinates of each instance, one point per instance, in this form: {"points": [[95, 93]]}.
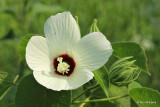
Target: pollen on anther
{"points": [[64, 65]]}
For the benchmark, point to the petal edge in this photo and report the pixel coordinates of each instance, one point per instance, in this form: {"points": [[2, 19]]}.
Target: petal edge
{"points": [[37, 54]]}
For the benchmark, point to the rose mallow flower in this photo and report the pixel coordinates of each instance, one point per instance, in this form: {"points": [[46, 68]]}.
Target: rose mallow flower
{"points": [[63, 60]]}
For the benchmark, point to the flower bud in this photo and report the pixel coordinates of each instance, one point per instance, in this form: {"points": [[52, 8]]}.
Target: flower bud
{"points": [[94, 27], [76, 18], [123, 72]]}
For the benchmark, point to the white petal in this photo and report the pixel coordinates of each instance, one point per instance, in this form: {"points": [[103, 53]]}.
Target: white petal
{"points": [[55, 82], [50, 80], [92, 51], [61, 32], [79, 77], [37, 54]]}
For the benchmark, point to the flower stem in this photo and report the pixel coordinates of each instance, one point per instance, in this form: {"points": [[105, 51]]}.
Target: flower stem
{"points": [[90, 88], [100, 100]]}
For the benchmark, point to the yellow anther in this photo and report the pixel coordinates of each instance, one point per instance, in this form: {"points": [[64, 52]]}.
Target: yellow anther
{"points": [[62, 66]]}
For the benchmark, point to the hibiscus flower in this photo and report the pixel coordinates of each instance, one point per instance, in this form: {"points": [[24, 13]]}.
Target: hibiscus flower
{"points": [[62, 60]]}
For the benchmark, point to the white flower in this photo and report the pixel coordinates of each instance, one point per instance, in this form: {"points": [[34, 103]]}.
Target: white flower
{"points": [[63, 61]]}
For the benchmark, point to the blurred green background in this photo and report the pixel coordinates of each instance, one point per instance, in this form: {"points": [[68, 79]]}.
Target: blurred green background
{"points": [[119, 20]]}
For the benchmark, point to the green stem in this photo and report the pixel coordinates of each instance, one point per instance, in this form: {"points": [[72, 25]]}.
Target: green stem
{"points": [[90, 88], [99, 100]]}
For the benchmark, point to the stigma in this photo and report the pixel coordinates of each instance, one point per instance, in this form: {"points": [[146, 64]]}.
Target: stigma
{"points": [[62, 67]]}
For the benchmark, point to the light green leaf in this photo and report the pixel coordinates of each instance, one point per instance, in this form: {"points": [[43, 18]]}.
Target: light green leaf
{"points": [[31, 94], [23, 44], [119, 91], [6, 81], [134, 85], [126, 49], [145, 97], [101, 75]]}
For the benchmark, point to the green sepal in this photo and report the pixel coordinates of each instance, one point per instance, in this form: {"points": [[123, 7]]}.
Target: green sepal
{"points": [[123, 72], [94, 27]]}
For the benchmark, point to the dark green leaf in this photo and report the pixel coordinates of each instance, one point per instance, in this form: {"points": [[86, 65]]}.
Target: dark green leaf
{"points": [[145, 97], [104, 104], [6, 81], [99, 94], [119, 91], [8, 99], [8, 56], [101, 75], [125, 49], [32, 94], [75, 93], [134, 85]]}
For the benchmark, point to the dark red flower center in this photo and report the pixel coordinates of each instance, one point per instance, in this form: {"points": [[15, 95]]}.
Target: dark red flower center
{"points": [[67, 61]]}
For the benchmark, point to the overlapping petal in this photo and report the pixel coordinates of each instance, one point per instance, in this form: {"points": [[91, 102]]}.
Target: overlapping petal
{"points": [[37, 54], [92, 51]]}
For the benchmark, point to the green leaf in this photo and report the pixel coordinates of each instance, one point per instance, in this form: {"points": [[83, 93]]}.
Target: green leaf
{"points": [[145, 97], [99, 94], [126, 49], [41, 8], [119, 91], [31, 94], [6, 81], [105, 104], [134, 85], [101, 75], [8, 56], [8, 99], [22, 46], [6, 20], [75, 93]]}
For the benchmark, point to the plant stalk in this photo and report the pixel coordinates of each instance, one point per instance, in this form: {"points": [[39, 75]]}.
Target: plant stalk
{"points": [[100, 100]]}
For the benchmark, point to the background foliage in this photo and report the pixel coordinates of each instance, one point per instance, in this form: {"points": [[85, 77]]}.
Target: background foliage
{"points": [[119, 20]]}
